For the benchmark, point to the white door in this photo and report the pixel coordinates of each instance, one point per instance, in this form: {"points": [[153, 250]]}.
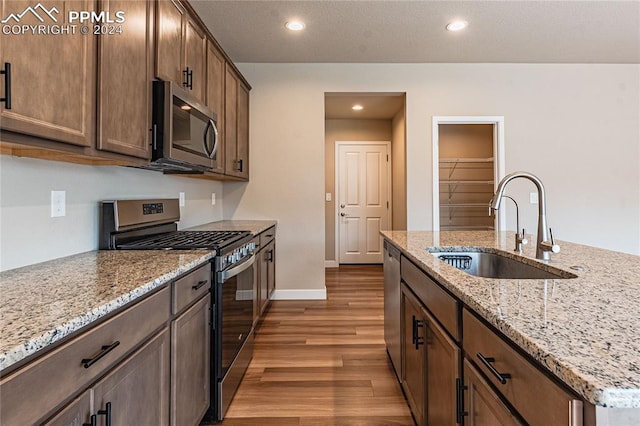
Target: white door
{"points": [[363, 200]]}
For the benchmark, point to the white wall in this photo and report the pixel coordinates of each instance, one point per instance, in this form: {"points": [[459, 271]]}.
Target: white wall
{"points": [[575, 126], [29, 235]]}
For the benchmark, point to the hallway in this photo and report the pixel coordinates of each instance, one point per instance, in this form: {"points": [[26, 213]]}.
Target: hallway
{"points": [[323, 362]]}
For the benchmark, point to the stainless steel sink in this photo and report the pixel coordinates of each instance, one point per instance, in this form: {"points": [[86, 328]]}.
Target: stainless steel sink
{"points": [[493, 265]]}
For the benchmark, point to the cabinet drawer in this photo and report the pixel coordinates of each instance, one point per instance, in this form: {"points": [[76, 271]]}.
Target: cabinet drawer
{"points": [[527, 388], [191, 287], [267, 236], [32, 392], [443, 306]]}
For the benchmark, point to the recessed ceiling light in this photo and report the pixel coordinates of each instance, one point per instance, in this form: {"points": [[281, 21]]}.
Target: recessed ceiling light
{"points": [[295, 25], [357, 107], [457, 25]]}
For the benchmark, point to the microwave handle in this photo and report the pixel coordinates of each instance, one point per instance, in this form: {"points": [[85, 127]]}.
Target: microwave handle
{"points": [[204, 139], [215, 138]]}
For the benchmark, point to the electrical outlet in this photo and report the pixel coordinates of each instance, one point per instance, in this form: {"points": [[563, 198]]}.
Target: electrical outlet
{"points": [[181, 198], [213, 198], [533, 198], [58, 201], [327, 196]]}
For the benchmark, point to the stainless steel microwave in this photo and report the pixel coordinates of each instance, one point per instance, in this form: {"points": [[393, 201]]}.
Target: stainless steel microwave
{"points": [[185, 136]]}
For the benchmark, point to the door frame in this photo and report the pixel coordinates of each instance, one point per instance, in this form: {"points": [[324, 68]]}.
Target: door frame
{"points": [[336, 175], [498, 159]]}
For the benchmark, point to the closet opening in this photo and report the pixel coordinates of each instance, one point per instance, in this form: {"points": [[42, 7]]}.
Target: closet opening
{"points": [[468, 161]]}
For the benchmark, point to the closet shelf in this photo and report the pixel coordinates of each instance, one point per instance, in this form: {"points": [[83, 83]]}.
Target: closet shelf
{"points": [[466, 182], [475, 205], [466, 160]]}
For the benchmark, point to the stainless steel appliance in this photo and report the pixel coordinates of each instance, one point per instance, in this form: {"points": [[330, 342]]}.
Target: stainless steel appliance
{"points": [[392, 330], [151, 224], [185, 136]]}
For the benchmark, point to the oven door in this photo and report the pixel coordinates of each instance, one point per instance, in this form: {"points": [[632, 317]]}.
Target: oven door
{"points": [[234, 319]]}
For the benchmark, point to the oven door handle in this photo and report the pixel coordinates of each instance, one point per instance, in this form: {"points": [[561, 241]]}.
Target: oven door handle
{"points": [[232, 272]]}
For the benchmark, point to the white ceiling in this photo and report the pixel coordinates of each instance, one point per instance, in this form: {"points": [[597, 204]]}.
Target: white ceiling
{"points": [[375, 106], [400, 31]]}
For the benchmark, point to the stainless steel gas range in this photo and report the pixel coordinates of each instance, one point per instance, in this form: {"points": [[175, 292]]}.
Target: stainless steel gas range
{"points": [[152, 225]]}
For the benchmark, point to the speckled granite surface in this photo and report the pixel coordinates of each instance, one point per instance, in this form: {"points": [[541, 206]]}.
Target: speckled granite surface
{"points": [[254, 226], [42, 303], [585, 330]]}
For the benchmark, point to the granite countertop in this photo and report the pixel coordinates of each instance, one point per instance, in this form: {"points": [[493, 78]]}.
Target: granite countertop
{"points": [[584, 330], [253, 226], [43, 303]]}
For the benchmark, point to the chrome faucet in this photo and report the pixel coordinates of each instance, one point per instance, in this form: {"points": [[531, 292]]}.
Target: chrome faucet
{"points": [[545, 242], [520, 238]]}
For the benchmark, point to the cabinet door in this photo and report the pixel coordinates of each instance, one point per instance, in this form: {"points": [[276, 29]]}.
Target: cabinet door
{"points": [[271, 269], [230, 121], [242, 147], [443, 361], [483, 407], [169, 33], [215, 97], [195, 54], [124, 91], [77, 413], [413, 355], [52, 78], [137, 391], [190, 364]]}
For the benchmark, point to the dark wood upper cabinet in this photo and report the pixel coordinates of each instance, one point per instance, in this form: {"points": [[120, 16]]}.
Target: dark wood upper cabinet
{"points": [[52, 80], [215, 96], [236, 125], [124, 81], [181, 49]]}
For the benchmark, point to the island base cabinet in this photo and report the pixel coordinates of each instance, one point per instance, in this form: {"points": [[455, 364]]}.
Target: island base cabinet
{"points": [[430, 365], [413, 355], [136, 392], [483, 406]]}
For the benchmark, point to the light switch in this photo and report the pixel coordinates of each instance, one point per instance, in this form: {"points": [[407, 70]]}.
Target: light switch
{"points": [[58, 203], [327, 196], [533, 198], [213, 198], [181, 199]]}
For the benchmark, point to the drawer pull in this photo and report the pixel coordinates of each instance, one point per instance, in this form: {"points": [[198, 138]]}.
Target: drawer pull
{"points": [[200, 284], [106, 413], [88, 362], [487, 361], [94, 421]]}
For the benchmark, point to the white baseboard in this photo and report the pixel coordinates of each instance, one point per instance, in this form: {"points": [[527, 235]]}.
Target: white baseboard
{"points": [[311, 294], [331, 264]]}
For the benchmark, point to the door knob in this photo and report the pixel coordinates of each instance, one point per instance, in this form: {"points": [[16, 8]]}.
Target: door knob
{"points": [[342, 206], [343, 214]]}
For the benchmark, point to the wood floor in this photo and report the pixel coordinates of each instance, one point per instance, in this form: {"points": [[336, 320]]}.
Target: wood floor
{"points": [[319, 363]]}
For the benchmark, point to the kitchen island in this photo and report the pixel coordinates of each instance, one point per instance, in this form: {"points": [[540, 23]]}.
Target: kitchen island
{"points": [[583, 331]]}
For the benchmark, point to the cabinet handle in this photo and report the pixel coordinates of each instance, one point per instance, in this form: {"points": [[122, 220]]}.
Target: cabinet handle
{"points": [[200, 284], [270, 255], [488, 362], [106, 413], [88, 362], [7, 85], [417, 340], [187, 78], [94, 421], [239, 165], [460, 413]]}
